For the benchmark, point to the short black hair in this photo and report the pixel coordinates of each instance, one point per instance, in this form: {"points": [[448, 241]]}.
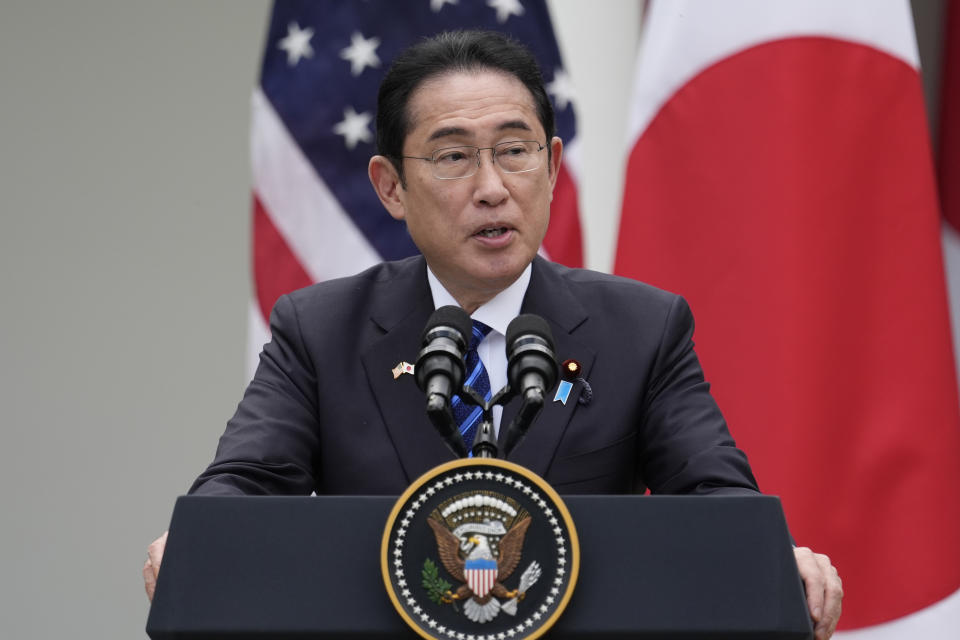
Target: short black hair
{"points": [[450, 52]]}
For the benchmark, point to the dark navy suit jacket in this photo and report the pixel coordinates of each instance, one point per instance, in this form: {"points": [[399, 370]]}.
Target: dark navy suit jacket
{"points": [[324, 412]]}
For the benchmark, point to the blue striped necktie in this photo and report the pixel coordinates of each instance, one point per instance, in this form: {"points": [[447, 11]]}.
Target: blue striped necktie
{"points": [[468, 415]]}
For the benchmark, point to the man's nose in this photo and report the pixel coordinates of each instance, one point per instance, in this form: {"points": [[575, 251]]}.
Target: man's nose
{"points": [[490, 189]]}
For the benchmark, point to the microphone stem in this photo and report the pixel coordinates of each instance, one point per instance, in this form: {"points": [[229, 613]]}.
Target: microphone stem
{"points": [[517, 429], [438, 410], [485, 442]]}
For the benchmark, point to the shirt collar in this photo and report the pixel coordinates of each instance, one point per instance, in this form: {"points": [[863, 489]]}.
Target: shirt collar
{"points": [[495, 313]]}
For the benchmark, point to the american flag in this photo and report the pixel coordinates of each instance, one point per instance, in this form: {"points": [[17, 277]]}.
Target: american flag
{"points": [[315, 214]]}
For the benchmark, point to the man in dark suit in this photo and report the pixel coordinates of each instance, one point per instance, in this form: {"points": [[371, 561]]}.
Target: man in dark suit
{"points": [[468, 161], [325, 413]]}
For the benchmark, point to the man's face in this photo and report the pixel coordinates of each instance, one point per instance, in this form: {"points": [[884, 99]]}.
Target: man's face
{"points": [[477, 233]]}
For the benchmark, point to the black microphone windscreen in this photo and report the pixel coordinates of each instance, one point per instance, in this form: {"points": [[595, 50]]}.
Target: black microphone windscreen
{"points": [[526, 324], [449, 316]]}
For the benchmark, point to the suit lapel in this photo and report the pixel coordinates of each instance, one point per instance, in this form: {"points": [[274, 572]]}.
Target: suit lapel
{"points": [[403, 306], [549, 297], [401, 310]]}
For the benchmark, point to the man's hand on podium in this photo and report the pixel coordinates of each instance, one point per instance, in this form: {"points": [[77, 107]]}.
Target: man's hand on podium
{"points": [[151, 568], [824, 590]]}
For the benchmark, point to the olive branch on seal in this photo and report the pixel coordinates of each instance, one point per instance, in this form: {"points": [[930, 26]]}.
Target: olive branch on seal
{"points": [[430, 579]]}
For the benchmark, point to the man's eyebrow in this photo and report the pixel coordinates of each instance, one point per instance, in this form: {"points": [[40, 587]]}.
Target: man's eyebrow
{"points": [[447, 131], [460, 131], [514, 124]]}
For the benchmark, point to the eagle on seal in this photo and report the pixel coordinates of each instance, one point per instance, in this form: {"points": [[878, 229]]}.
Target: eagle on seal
{"points": [[480, 572]]}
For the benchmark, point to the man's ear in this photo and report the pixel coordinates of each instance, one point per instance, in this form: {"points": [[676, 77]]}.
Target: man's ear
{"points": [[556, 153], [386, 182]]}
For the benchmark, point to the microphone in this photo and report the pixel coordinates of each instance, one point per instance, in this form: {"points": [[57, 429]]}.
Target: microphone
{"points": [[531, 370], [531, 365], [439, 371]]}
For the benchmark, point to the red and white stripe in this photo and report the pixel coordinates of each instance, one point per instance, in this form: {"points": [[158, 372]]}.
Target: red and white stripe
{"points": [[780, 178], [301, 234], [480, 581]]}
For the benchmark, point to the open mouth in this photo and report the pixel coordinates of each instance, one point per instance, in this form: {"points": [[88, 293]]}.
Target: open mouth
{"points": [[492, 232]]}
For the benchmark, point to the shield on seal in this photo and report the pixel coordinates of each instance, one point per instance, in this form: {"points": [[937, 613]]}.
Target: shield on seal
{"points": [[481, 573]]}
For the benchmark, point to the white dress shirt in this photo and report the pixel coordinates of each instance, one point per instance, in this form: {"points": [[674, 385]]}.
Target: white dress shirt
{"points": [[496, 314]]}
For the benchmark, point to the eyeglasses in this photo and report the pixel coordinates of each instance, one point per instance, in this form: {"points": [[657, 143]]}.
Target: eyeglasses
{"points": [[515, 156]]}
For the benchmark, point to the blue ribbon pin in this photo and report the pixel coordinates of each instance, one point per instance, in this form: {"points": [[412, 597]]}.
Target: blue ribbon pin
{"points": [[563, 391]]}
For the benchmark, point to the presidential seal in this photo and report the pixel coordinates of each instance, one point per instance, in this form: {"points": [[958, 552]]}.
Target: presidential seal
{"points": [[480, 549]]}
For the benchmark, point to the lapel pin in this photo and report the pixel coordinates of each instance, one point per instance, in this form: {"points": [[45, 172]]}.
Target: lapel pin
{"points": [[402, 368], [569, 371]]}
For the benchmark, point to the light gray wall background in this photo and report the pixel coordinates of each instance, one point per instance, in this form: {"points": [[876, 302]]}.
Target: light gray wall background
{"points": [[124, 182]]}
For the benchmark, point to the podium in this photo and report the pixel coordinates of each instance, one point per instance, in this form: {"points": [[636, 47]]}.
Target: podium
{"points": [[677, 567]]}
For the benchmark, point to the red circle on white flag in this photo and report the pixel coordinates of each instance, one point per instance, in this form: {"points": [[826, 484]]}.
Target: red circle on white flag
{"points": [[788, 193]]}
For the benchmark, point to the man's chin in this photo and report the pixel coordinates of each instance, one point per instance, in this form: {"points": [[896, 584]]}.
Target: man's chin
{"points": [[501, 273]]}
